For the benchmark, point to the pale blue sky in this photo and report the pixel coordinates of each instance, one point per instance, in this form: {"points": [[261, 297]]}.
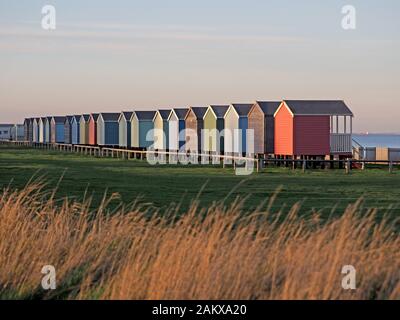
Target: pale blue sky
{"points": [[114, 55]]}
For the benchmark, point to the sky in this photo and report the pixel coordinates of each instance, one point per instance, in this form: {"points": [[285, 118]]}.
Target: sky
{"points": [[126, 55]]}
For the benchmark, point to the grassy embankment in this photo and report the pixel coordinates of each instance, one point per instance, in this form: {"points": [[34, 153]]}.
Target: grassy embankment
{"points": [[324, 191]]}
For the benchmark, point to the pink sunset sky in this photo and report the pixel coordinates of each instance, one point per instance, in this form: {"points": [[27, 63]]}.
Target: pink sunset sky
{"points": [[123, 55]]}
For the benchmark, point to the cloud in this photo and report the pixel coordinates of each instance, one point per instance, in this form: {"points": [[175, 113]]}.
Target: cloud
{"points": [[116, 36]]}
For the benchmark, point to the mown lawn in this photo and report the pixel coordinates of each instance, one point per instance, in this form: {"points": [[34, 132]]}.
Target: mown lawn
{"points": [[159, 186]]}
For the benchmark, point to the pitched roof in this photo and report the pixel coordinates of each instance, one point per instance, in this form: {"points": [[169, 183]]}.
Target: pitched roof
{"points": [[164, 113], [86, 117], [219, 110], [318, 107], [110, 116], [126, 114], [180, 112], [199, 112], [145, 115], [269, 107], [58, 119], [95, 116], [242, 109]]}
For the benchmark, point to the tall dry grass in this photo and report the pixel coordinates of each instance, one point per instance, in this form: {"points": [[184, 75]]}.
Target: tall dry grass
{"points": [[218, 253]]}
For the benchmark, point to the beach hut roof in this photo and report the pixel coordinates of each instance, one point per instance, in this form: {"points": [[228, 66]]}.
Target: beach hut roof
{"points": [[68, 118], [95, 116], [179, 112], [86, 117], [317, 107], [110, 116], [199, 112], [77, 118], [269, 107], [219, 110], [126, 114], [144, 115], [59, 119], [242, 109], [164, 113], [49, 118]]}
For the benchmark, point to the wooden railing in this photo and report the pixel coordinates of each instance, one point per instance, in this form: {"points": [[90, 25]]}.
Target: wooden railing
{"points": [[170, 156], [234, 160], [341, 143]]}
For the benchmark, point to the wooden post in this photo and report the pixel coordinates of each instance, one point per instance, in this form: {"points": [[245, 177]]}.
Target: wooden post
{"points": [[390, 167], [348, 166], [304, 165]]}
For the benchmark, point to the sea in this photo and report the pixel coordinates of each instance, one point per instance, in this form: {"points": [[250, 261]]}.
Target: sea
{"points": [[378, 140]]}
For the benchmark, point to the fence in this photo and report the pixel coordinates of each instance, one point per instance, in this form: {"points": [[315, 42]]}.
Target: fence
{"points": [[366, 156], [340, 143], [142, 154], [373, 154]]}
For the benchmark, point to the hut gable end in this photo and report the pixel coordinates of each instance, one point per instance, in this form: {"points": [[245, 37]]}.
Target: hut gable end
{"points": [[283, 131], [257, 124]]}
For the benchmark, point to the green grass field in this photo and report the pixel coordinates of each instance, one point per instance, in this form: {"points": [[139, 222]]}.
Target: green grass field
{"points": [[159, 186]]}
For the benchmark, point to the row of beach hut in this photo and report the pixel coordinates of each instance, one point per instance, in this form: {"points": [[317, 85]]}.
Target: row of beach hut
{"points": [[289, 127]]}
